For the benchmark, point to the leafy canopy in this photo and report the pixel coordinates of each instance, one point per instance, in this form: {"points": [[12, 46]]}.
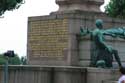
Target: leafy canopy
{"points": [[8, 5], [12, 61], [116, 8]]}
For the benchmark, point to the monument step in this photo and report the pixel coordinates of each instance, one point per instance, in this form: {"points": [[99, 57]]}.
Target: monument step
{"points": [[110, 81]]}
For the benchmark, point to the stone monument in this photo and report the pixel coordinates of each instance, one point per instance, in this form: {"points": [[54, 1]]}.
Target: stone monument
{"points": [[79, 5], [102, 53], [53, 40]]}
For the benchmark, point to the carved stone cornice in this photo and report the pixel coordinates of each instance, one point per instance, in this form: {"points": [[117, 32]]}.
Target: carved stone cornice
{"points": [[80, 5]]}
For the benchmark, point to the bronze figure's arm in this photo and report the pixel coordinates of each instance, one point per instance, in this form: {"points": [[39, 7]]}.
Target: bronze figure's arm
{"points": [[84, 31], [115, 32]]}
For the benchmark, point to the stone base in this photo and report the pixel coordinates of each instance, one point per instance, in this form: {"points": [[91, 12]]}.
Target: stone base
{"points": [[110, 81], [99, 75], [53, 40], [62, 74], [81, 5]]}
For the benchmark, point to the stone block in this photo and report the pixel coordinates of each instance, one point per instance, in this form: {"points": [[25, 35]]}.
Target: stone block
{"points": [[54, 38], [81, 5], [99, 75]]}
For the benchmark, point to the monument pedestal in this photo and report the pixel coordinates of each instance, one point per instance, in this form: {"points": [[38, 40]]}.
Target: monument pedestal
{"points": [[56, 74], [53, 41], [79, 5]]}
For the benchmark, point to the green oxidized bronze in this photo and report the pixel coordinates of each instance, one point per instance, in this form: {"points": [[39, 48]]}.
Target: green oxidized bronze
{"points": [[102, 54], [116, 32]]}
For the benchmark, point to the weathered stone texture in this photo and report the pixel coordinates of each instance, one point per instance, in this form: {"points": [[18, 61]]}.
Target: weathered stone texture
{"points": [[62, 74], [52, 40], [79, 5], [47, 39]]}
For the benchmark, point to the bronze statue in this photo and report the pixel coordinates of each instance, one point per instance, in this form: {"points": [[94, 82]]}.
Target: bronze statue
{"points": [[102, 54], [116, 32]]}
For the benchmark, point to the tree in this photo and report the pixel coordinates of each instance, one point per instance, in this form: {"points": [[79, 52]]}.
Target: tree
{"points": [[116, 8], [8, 5], [23, 60], [2, 59], [12, 61]]}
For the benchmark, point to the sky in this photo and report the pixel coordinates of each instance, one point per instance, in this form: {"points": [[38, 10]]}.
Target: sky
{"points": [[13, 24]]}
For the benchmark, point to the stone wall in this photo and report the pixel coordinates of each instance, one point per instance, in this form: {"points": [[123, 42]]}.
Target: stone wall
{"points": [[80, 5], [52, 39], [62, 74], [47, 40]]}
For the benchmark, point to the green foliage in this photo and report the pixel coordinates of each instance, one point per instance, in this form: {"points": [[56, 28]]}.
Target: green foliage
{"points": [[23, 60], [12, 61], [2, 60], [116, 8], [7, 5]]}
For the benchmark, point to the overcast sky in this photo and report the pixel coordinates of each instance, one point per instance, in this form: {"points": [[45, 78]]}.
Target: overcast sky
{"points": [[13, 27]]}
